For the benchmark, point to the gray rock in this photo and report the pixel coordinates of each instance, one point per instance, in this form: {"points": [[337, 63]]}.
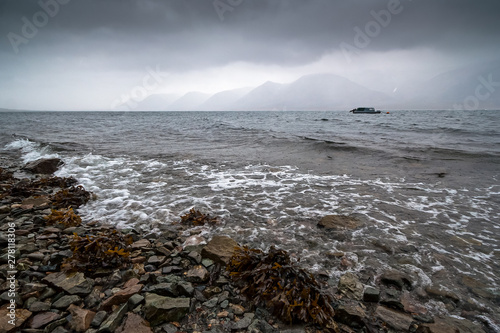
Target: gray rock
{"points": [[158, 309], [135, 300], [371, 294], [114, 320], [65, 301], [98, 319], [397, 320], [72, 283], [211, 302], [243, 323], [44, 166], [391, 298], [39, 307], [185, 288], [164, 289]]}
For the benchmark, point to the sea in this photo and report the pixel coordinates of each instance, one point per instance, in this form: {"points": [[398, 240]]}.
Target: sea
{"points": [[424, 185]]}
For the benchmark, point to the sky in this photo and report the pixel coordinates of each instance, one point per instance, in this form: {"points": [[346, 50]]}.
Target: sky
{"points": [[89, 54]]}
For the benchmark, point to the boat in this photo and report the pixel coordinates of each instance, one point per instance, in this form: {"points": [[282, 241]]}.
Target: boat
{"points": [[365, 110]]}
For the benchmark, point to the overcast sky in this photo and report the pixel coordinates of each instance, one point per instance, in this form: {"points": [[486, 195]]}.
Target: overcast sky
{"points": [[86, 54]]}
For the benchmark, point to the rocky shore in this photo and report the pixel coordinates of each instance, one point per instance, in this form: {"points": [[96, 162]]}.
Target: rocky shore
{"points": [[61, 274]]}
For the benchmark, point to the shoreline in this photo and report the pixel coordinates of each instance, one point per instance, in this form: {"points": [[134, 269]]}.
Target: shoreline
{"points": [[173, 271]]}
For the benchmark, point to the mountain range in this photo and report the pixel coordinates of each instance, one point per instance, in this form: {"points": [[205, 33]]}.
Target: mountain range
{"points": [[473, 87]]}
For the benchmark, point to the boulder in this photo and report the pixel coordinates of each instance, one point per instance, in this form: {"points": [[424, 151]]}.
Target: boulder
{"points": [[134, 324], [338, 222], [220, 249], [46, 166], [350, 286], [72, 283], [159, 309], [80, 318]]}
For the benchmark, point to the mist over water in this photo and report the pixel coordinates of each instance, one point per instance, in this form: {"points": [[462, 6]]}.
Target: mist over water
{"points": [[425, 185]]}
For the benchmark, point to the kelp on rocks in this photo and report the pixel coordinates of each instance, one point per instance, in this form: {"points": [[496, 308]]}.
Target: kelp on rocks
{"points": [[74, 197], [106, 249], [274, 280], [196, 218], [66, 217]]}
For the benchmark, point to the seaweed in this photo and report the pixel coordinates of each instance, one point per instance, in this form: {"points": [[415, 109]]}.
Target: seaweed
{"points": [[274, 280], [66, 217], [73, 197], [107, 249], [196, 218]]}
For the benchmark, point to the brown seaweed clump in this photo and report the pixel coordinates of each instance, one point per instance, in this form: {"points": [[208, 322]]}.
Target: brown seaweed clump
{"points": [[74, 197], [290, 292], [107, 249], [196, 218], [66, 217]]}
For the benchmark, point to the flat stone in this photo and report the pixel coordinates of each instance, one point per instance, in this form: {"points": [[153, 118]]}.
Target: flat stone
{"points": [[42, 319], [80, 318], [350, 286], [39, 307], [197, 274], [142, 243], [20, 316], [72, 283], [121, 297], [395, 319], [134, 324], [39, 202], [159, 309], [37, 256], [156, 260], [164, 289], [338, 222], [65, 301], [220, 249]]}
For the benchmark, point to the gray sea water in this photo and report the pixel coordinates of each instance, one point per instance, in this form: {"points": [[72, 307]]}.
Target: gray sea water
{"points": [[424, 184]]}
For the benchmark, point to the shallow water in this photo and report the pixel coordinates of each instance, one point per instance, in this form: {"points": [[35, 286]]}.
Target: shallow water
{"points": [[425, 185]]}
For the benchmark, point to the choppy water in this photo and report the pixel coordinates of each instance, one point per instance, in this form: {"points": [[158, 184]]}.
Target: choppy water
{"points": [[424, 184]]}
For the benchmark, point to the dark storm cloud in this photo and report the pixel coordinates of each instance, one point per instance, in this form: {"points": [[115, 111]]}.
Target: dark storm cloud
{"points": [[190, 34], [98, 44]]}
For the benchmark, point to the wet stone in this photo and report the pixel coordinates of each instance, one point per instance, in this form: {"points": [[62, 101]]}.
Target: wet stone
{"points": [[371, 294]]}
